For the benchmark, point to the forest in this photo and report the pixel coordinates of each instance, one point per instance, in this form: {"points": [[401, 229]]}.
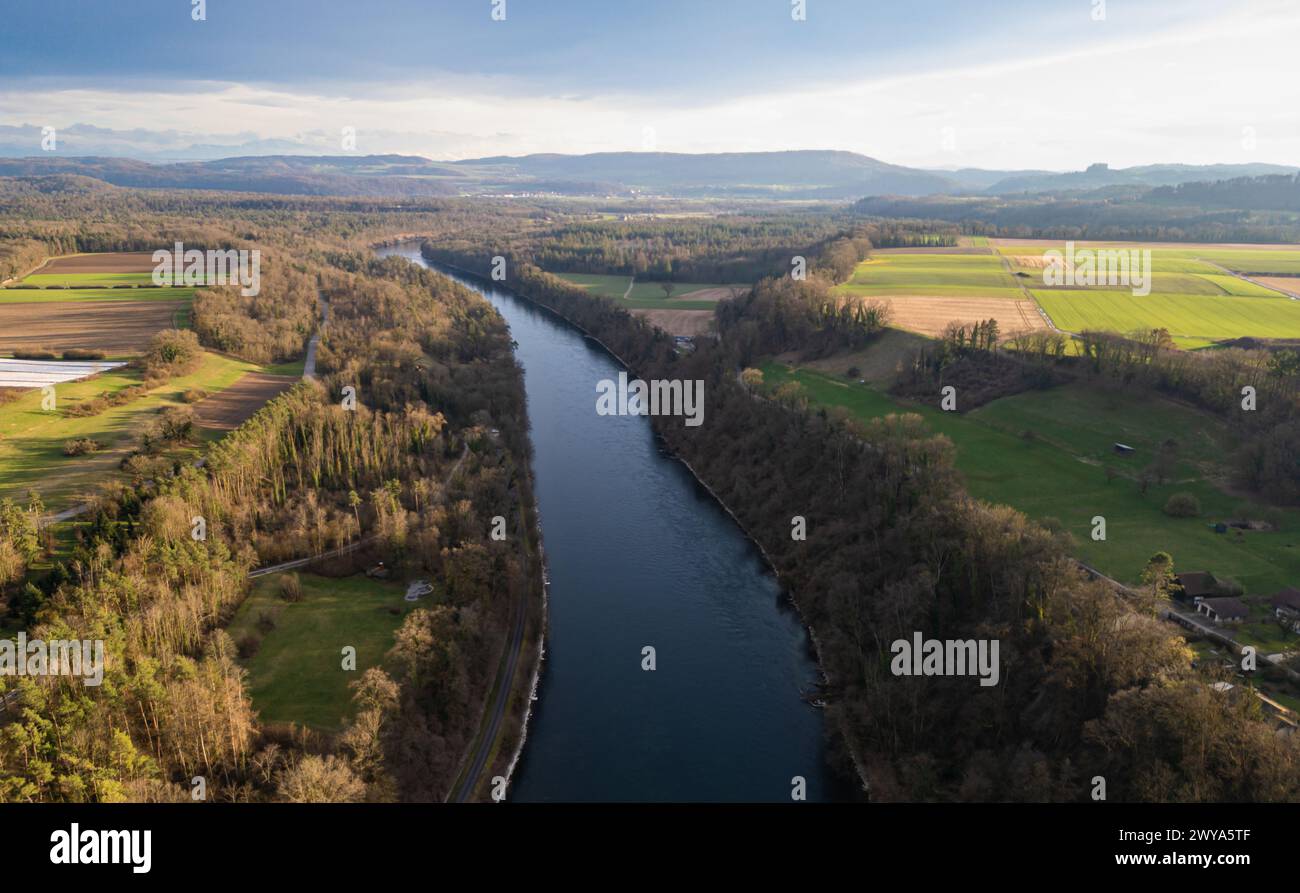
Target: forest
{"points": [[1192, 212], [431, 367]]}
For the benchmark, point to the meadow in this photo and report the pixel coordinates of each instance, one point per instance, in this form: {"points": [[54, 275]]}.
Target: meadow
{"points": [[31, 439], [1046, 453], [650, 295], [939, 275], [1193, 320], [66, 295], [1171, 257], [296, 675], [45, 280]]}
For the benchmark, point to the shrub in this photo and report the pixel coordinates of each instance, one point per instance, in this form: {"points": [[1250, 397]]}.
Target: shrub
{"points": [[248, 646], [193, 395], [291, 588], [1229, 587], [1182, 505], [96, 405], [81, 446], [176, 425], [35, 353], [172, 352], [853, 372], [1051, 524], [83, 353], [265, 622]]}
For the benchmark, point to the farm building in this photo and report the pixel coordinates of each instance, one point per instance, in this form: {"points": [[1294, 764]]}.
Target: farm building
{"points": [[1196, 584], [1223, 610], [1286, 605]]}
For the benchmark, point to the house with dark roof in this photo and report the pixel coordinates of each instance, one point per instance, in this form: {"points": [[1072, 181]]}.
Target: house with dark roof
{"points": [[1286, 605], [1194, 585], [1223, 610]]}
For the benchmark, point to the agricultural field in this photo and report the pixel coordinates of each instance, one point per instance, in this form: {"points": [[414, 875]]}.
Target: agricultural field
{"points": [[931, 314], [94, 267], [92, 301], [927, 290], [39, 373], [692, 323], [1194, 293], [1198, 292], [117, 327], [1046, 453], [1289, 285], [231, 407], [93, 295], [83, 280], [1252, 260], [649, 295], [294, 670], [32, 440], [1193, 320], [957, 275]]}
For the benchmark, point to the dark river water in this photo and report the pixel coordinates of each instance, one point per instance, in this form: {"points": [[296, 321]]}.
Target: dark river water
{"points": [[640, 555]]}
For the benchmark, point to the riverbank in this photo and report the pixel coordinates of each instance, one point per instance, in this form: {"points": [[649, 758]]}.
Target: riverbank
{"points": [[497, 746]]}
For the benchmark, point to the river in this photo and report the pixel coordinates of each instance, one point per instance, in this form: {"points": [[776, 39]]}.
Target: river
{"points": [[640, 555]]}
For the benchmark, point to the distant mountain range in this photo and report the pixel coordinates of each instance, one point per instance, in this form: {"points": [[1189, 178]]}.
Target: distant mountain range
{"points": [[370, 175], [805, 175], [1100, 176]]}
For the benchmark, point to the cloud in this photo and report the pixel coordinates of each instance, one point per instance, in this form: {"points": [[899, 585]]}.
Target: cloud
{"points": [[1108, 92]]}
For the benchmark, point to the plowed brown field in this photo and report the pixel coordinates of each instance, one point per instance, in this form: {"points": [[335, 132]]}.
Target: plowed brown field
{"points": [[679, 322], [1288, 284], [113, 262], [116, 327], [930, 315], [232, 407]]}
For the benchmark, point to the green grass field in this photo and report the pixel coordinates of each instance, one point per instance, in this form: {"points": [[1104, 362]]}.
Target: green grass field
{"points": [[296, 675], [75, 279], [1193, 320], [70, 295], [646, 295], [1198, 259], [1234, 285], [1060, 473], [1193, 298], [293, 367], [31, 440], [941, 275]]}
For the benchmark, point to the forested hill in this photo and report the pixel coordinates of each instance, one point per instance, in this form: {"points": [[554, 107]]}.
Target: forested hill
{"points": [[803, 175], [389, 176], [1101, 176], [1279, 192], [1251, 209], [799, 174]]}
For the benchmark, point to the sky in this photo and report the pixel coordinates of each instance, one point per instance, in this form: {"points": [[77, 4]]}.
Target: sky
{"points": [[1014, 84]]}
